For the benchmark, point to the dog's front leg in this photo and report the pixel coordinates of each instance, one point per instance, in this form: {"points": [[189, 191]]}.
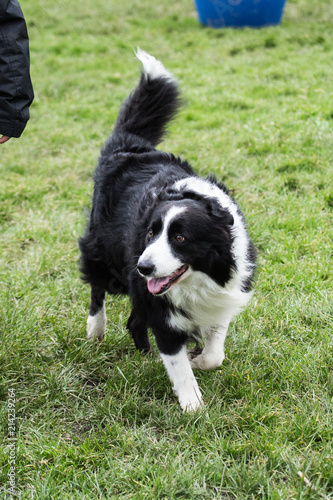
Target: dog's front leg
{"points": [[184, 383], [96, 322], [212, 354]]}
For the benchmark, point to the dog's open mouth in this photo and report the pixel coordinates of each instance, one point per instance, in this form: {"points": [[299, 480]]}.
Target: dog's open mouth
{"points": [[161, 285]]}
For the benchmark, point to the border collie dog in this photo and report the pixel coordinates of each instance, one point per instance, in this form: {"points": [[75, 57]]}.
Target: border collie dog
{"points": [[175, 243]]}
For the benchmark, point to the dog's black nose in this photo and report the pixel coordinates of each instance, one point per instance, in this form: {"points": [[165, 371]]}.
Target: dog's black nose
{"points": [[146, 268]]}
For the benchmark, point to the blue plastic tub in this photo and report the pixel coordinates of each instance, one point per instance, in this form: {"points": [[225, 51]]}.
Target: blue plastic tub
{"points": [[239, 13]]}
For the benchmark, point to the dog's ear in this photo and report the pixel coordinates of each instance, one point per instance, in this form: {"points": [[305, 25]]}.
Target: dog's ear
{"points": [[192, 195], [214, 208]]}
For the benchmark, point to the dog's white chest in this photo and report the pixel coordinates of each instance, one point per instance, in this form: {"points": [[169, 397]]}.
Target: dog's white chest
{"points": [[201, 305]]}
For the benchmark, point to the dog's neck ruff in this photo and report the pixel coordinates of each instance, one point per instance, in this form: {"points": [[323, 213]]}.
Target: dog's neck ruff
{"points": [[206, 303]]}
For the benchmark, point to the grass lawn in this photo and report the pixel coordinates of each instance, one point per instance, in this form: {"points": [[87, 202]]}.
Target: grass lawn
{"points": [[101, 421]]}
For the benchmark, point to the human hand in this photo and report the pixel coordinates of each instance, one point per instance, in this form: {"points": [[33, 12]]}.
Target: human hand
{"points": [[4, 139]]}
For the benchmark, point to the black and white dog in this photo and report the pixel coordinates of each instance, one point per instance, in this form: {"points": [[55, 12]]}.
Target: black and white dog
{"points": [[175, 243]]}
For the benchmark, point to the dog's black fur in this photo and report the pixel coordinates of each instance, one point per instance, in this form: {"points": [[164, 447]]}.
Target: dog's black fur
{"points": [[134, 189]]}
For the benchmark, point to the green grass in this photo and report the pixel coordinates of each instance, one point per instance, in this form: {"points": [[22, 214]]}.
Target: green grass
{"points": [[97, 422]]}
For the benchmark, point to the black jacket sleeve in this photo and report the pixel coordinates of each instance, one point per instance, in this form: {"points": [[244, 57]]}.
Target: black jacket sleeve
{"points": [[16, 93]]}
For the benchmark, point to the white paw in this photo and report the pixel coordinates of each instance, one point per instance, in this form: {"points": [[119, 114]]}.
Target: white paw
{"points": [[96, 326], [206, 361], [190, 399], [192, 406], [183, 380]]}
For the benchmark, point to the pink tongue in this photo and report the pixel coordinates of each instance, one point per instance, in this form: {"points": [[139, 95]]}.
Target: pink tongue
{"points": [[155, 284]]}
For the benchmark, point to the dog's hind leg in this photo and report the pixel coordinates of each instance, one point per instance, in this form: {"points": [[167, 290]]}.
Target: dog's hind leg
{"points": [[137, 327], [96, 322]]}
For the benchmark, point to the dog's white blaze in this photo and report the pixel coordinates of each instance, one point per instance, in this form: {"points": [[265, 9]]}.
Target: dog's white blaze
{"points": [[159, 252], [152, 67], [240, 243], [184, 383], [96, 325]]}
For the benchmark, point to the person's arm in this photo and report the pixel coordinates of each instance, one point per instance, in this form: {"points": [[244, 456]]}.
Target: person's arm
{"points": [[16, 92], [4, 139]]}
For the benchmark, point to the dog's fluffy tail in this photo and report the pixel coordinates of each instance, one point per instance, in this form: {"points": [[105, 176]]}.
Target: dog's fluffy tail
{"points": [[152, 104]]}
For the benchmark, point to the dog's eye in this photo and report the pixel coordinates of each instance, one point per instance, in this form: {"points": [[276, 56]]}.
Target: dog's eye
{"points": [[179, 238], [150, 233]]}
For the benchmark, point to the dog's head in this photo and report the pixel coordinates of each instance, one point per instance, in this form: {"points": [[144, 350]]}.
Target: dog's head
{"points": [[183, 235]]}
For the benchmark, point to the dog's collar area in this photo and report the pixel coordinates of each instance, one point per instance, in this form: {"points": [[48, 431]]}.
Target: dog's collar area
{"points": [[156, 286]]}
